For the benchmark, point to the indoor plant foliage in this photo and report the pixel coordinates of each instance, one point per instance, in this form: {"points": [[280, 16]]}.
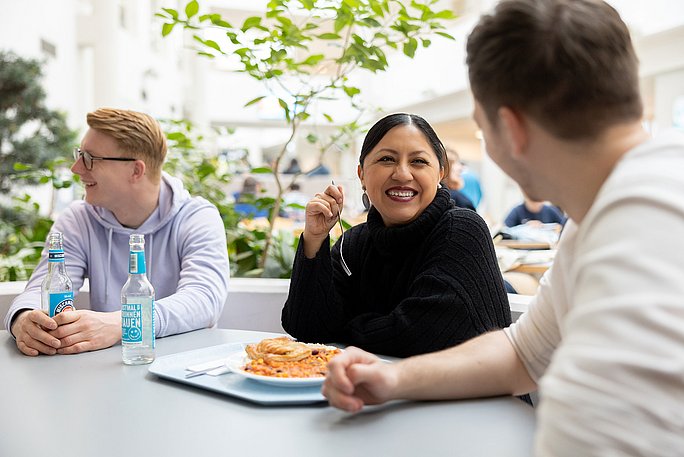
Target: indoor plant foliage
{"points": [[304, 51], [190, 158], [35, 144]]}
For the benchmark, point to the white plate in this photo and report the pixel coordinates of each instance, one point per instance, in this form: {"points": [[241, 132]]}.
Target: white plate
{"points": [[238, 359]]}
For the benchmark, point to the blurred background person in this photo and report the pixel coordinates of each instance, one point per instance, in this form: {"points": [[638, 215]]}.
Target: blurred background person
{"points": [[294, 196], [535, 213], [293, 168], [245, 200], [454, 180]]}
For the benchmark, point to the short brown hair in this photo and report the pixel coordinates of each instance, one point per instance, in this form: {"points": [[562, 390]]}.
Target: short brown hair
{"points": [[135, 133], [569, 64]]}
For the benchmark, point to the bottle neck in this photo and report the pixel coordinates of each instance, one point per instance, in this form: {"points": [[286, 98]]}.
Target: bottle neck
{"points": [[56, 260], [136, 262]]}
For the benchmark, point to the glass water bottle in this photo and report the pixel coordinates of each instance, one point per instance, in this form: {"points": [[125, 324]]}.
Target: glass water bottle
{"points": [[137, 308], [57, 293]]}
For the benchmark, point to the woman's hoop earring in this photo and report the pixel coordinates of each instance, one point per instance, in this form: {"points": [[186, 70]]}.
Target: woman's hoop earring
{"points": [[365, 200]]}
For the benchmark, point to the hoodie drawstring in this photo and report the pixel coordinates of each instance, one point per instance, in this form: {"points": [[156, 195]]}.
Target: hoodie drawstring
{"points": [[109, 265], [149, 261]]}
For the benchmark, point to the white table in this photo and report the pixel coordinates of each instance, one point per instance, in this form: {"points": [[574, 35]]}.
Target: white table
{"points": [[92, 405]]}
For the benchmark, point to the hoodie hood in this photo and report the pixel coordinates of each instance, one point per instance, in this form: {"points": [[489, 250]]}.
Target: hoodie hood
{"points": [[172, 197]]}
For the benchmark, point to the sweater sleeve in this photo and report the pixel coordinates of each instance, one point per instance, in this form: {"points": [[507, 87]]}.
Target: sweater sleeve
{"points": [[313, 310], [457, 294], [203, 284]]}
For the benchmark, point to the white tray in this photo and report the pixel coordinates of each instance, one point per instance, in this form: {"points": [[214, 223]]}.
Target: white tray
{"points": [[174, 366]]}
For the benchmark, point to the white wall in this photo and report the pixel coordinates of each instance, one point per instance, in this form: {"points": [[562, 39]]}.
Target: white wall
{"points": [[252, 304]]}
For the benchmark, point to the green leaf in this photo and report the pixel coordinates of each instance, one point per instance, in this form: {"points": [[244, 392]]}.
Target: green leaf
{"points": [[176, 136], [307, 4], [261, 170], [445, 14], [283, 105], [341, 21], [375, 6], [221, 23], [328, 117], [284, 21], [425, 42], [410, 47], [311, 138], [351, 91], [254, 100], [251, 22], [20, 166], [371, 22], [212, 44], [173, 13], [167, 28], [191, 8], [313, 59], [329, 36], [445, 35]]}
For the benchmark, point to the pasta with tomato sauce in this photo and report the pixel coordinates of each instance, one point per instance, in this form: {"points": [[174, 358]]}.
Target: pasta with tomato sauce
{"points": [[285, 358]]}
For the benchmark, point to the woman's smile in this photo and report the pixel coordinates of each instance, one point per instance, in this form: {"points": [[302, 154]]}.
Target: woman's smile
{"points": [[401, 194]]}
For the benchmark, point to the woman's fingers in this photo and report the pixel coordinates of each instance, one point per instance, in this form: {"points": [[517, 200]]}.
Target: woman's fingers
{"points": [[320, 205]]}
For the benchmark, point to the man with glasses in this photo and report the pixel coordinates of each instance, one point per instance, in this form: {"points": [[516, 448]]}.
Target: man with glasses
{"points": [[120, 165], [556, 91]]}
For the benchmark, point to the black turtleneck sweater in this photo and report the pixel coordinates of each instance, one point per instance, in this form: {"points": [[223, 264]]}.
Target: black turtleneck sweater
{"points": [[417, 288]]}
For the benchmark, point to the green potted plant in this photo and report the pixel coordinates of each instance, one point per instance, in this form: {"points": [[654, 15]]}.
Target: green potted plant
{"points": [[307, 49]]}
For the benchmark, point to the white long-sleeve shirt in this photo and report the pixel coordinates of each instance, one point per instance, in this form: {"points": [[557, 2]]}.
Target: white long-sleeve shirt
{"points": [[604, 337]]}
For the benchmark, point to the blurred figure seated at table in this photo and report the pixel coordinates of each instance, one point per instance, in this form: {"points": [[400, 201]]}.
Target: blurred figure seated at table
{"points": [[471, 186], [320, 170], [295, 197], [418, 276], [120, 164], [293, 168], [454, 180], [245, 201], [534, 213]]}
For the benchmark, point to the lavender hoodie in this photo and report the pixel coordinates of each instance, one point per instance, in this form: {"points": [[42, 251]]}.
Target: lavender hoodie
{"points": [[185, 251]]}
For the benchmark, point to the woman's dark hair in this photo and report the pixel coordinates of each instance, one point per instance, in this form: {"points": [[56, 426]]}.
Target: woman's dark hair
{"points": [[387, 123]]}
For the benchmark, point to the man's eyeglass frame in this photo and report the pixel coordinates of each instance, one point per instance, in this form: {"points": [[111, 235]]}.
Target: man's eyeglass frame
{"points": [[88, 158]]}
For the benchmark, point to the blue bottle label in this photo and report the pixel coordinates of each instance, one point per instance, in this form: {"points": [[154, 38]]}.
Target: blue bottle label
{"points": [[131, 323], [136, 263], [61, 301], [55, 255]]}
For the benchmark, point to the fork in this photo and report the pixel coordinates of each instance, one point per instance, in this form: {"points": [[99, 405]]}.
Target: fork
{"points": [[339, 219]]}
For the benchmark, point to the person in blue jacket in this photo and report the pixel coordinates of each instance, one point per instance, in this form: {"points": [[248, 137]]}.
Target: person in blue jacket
{"points": [[531, 210]]}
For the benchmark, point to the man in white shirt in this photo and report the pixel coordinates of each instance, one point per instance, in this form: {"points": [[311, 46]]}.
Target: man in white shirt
{"points": [[556, 96]]}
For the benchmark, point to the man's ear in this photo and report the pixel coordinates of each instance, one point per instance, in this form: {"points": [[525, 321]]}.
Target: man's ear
{"points": [[514, 127], [359, 173], [139, 168]]}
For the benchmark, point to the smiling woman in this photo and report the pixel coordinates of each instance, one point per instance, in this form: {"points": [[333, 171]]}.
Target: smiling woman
{"points": [[424, 274]]}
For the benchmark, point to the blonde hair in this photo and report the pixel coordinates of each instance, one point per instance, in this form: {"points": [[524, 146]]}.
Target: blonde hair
{"points": [[135, 133]]}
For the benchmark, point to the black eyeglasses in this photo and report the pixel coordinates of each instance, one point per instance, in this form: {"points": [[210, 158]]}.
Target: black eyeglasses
{"points": [[88, 158]]}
